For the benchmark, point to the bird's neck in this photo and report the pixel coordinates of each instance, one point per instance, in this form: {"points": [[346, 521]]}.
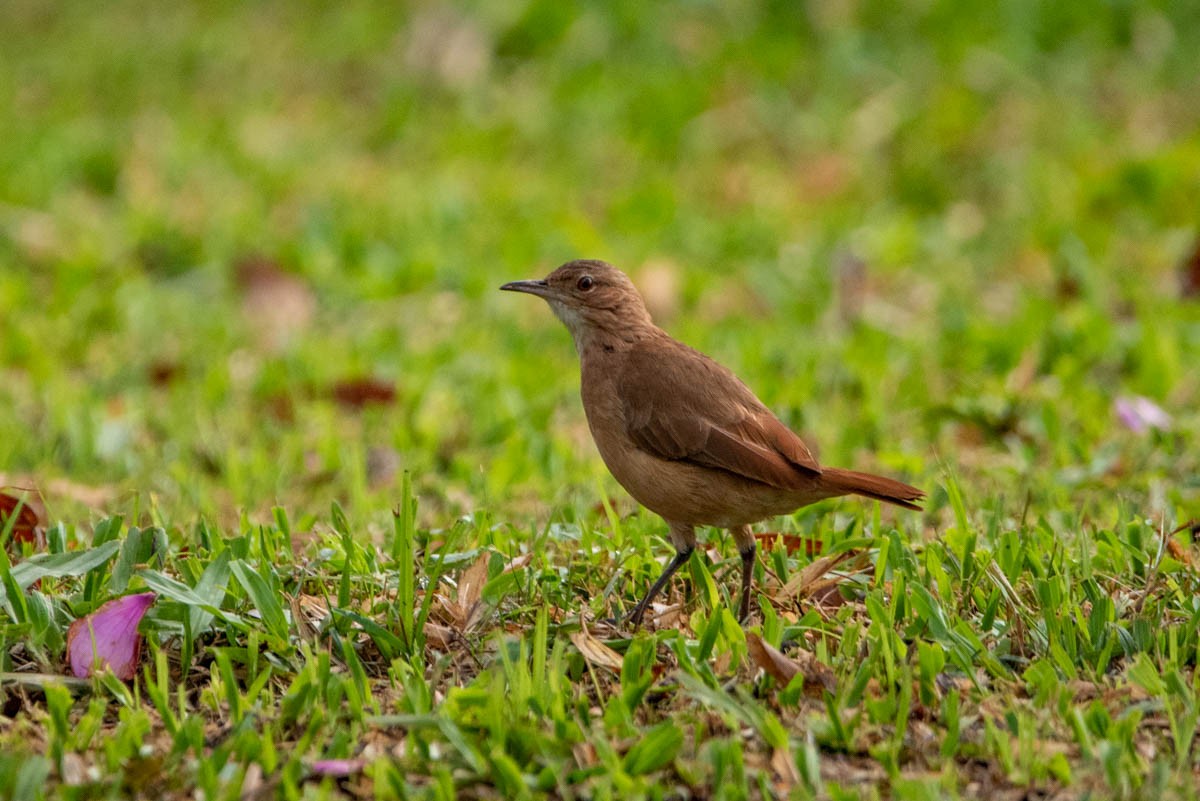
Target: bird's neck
{"points": [[618, 333], [590, 340]]}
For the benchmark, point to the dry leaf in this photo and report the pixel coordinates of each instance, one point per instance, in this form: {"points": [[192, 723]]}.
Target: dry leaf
{"points": [[785, 768], [595, 652], [792, 543], [253, 786], [308, 611], [1189, 273], [518, 563], [280, 407], [667, 616], [779, 666], [469, 607], [825, 592], [30, 523], [818, 677], [163, 373], [585, 755], [439, 636], [355, 393], [1176, 548], [73, 770], [1179, 553], [803, 582], [277, 303]]}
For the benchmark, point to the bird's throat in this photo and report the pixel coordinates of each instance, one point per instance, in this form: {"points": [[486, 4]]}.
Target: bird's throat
{"points": [[574, 322]]}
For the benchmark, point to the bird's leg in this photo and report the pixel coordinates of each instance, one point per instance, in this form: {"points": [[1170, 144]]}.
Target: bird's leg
{"points": [[747, 577], [683, 537], [744, 538], [635, 618]]}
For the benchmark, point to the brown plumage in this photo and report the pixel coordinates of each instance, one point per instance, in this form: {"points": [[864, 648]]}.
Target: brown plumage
{"points": [[680, 432]]}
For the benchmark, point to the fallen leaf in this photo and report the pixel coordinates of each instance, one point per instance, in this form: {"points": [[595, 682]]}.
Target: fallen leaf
{"points": [[585, 755], [818, 677], [277, 303], [73, 770], [304, 626], [518, 563], [163, 373], [1067, 285], [113, 630], [791, 542], [595, 652], [1177, 550], [281, 407], [825, 592], [802, 583], [253, 786], [666, 615], [1189, 273], [26, 514], [1179, 553], [470, 588], [777, 665], [441, 637], [785, 768], [355, 393]]}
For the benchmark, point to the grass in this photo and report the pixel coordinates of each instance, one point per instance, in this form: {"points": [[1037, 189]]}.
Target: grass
{"points": [[252, 358]]}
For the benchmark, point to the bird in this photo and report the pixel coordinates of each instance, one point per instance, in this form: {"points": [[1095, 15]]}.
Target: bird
{"points": [[680, 432]]}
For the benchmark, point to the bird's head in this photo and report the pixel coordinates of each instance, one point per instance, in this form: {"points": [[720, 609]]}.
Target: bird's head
{"points": [[592, 298]]}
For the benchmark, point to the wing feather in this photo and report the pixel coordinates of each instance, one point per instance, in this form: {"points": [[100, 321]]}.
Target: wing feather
{"points": [[680, 405]]}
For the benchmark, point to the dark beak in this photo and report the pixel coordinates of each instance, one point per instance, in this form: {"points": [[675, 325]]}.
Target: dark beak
{"points": [[538, 287]]}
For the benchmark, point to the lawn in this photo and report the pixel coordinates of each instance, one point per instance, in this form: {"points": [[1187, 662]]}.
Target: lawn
{"points": [[253, 359]]}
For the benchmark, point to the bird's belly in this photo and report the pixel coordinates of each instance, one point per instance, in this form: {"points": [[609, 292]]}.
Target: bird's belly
{"points": [[684, 492]]}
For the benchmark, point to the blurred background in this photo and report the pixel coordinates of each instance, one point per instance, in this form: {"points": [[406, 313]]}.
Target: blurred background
{"points": [[249, 252]]}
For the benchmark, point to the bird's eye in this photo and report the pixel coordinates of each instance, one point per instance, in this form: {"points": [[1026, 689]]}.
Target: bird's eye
{"points": [[585, 283]]}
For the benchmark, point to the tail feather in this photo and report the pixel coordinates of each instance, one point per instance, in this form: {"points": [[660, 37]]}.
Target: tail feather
{"points": [[877, 487]]}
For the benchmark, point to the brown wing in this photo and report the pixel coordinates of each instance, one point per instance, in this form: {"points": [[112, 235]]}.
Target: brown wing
{"points": [[681, 405]]}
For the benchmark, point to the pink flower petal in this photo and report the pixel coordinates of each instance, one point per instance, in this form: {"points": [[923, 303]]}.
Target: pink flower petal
{"points": [[1140, 413], [338, 767], [113, 630]]}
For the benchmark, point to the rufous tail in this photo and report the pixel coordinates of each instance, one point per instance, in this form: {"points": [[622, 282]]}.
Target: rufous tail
{"points": [[877, 487]]}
